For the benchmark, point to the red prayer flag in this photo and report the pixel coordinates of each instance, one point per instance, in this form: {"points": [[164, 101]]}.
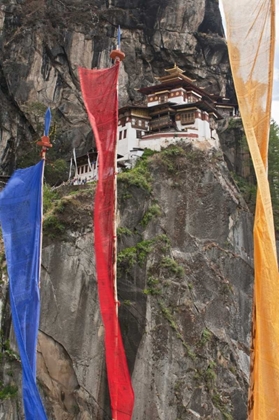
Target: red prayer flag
{"points": [[99, 90]]}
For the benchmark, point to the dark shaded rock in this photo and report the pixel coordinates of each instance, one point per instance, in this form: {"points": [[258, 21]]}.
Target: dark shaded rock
{"points": [[43, 43]]}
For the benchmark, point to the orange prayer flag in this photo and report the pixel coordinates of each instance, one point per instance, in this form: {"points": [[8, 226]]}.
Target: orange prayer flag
{"points": [[251, 39]]}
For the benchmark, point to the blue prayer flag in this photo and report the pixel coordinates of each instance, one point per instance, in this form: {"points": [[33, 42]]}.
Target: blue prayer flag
{"points": [[21, 221], [47, 121]]}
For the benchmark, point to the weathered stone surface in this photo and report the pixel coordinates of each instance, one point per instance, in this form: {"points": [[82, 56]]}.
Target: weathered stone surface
{"points": [[194, 342], [235, 148], [185, 287], [44, 41], [186, 291]]}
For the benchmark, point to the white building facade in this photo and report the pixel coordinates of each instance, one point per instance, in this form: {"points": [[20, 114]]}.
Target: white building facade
{"points": [[175, 109]]}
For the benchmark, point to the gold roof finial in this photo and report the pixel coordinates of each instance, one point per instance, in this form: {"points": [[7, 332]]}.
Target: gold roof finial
{"points": [[175, 70]]}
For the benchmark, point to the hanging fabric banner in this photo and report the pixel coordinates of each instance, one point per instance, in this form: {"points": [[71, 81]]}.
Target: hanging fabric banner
{"points": [[47, 122], [99, 90], [250, 36], [21, 221]]}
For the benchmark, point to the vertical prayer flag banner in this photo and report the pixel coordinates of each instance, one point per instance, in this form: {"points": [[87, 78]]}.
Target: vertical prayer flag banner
{"points": [[47, 121], [250, 35], [118, 37], [99, 90], [21, 221]]}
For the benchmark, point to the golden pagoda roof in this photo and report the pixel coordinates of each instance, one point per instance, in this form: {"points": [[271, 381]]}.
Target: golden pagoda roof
{"points": [[174, 73]]}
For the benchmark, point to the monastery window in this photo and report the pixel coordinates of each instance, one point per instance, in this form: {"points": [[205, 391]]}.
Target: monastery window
{"points": [[140, 123], [86, 168], [120, 135], [163, 98], [124, 134], [160, 122], [138, 134], [177, 93], [187, 118]]}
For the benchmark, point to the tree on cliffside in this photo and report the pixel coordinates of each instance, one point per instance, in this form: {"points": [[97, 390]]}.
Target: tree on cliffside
{"points": [[273, 170]]}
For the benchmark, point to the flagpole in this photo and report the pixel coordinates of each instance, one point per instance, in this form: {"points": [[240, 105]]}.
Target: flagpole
{"points": [[45, 141], [45, 145], [116, 55]]}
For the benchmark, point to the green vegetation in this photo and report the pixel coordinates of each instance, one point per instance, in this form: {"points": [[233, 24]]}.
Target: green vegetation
{"points": [[167, 156], [56, 172], [8, 357], [210, 374], [143, 249], [50, 197], [273, 170], [172, 266], [7, 351], [148, 153], [207, 375], [3, 265], [123, 231], [247, 189], [171, 157], [137, 254], [52, 226], [190, 286], [126, 302], [169, 317], [128, 257], [139, 176], [8, 391], [152, 212], [153, 286], [53, 205], [62, 210], [235, 123], [248, 186], [173, 150], [167, 314], [221, 405], [226, 289], [206, 336], [163, 243]]}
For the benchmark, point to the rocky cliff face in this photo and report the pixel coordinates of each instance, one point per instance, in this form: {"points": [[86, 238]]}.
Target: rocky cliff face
{"points": [[192, 359], [184, 263], [44, 41], [185, 284]]}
